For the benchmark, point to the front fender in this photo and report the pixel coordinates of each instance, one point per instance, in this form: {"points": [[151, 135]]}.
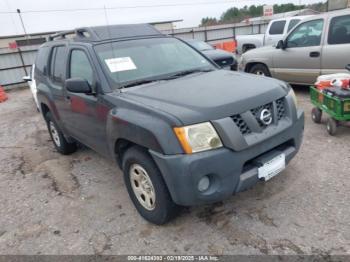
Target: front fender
{"points": [[143, 129]]}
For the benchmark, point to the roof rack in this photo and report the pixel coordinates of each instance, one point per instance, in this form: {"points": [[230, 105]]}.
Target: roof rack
{"points": [[105, 33], [83, 32]]}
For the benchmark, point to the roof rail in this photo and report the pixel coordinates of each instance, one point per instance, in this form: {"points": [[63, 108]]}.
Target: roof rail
{"points": [[83, 32]]}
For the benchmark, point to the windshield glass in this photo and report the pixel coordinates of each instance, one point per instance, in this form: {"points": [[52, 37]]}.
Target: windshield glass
{"points": [[201, 46], [148, 59]]}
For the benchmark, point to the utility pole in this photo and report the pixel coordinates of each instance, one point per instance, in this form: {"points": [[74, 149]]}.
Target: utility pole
{"points": [[20, 18], [26, 36]]}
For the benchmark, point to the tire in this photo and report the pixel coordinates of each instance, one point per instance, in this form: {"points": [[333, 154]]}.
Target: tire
{"points": [[260, 69], [316, 115], [58, 139], [136, 164], [332, 126]]}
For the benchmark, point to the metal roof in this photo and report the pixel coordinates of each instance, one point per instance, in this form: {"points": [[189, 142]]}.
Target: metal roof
{"points": [[166, 22]]}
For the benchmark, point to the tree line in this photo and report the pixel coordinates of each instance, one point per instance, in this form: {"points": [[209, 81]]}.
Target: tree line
{"points": [[236, 15]]}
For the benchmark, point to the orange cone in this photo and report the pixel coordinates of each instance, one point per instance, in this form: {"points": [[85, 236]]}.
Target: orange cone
{"points": [[3, 96]]}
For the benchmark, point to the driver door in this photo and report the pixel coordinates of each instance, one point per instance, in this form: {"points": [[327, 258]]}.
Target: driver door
{"points": [[300, 61], [86, 113]]}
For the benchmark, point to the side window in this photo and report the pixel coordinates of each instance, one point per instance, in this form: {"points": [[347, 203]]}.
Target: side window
{"points": [[41, 59], [339, 30], [306, 34], [293, 23], [277, 28], [80, 66], [57, 64]]}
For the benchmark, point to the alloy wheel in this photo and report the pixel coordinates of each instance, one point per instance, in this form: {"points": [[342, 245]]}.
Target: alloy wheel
{"points": [[142, 186]]}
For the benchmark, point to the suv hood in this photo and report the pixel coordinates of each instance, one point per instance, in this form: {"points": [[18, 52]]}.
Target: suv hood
{"points": [[217, 54], [207, 96]]}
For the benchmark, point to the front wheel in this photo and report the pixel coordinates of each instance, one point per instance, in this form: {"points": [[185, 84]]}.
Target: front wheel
{"points": [[260, 69], [147, 188]]}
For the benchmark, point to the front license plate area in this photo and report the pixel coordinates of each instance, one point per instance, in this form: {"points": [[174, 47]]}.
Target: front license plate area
{"points": [[272, 167]]}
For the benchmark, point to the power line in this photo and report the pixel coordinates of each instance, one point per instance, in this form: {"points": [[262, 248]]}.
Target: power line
{"points": [[123, 7]]}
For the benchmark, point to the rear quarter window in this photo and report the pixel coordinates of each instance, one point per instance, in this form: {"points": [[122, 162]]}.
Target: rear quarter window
{"points": [[58, 62], [339, 30], [277, 27], [41, 59]]}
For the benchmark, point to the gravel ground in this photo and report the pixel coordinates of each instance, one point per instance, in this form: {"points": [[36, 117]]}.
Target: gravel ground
{"points": [[53, 204]]}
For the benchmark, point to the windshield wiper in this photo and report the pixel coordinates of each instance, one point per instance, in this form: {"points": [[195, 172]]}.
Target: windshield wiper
{"points": [[140, 82], [188, 72], [177, 75]]}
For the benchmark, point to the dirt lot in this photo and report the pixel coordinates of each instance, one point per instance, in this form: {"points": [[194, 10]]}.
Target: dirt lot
{"points": [[53, 204]]}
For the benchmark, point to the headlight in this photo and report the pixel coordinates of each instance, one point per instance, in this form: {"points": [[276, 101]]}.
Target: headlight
{"points": [[197, 138], [291, 93]]}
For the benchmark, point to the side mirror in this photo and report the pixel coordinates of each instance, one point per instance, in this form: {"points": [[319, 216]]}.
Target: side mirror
{"points": [[78, 85], [27, 78], [348, 67], [281, 45]]}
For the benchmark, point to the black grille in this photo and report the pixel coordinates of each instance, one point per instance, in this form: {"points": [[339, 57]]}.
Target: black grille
{"points": [[242, 125], [257, 110], [281, 111], [224, 62], [244, 128]]}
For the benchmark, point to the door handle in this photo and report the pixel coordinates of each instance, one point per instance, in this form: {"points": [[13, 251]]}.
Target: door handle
{"points": [[314, 54], [68, 97]]}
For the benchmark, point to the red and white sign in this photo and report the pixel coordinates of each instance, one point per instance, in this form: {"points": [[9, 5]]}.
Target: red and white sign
{"points": [[268, 10], [13, 45]]}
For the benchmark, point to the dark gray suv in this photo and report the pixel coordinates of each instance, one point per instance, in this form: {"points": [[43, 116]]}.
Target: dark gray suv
{"points": [[183, 131]]}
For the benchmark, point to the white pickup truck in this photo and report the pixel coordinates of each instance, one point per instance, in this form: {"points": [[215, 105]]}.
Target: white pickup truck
{"points": [[275, 31]]}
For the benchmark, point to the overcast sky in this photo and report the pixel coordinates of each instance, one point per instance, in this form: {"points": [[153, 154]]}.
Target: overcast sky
{"points": [[60, 20]]}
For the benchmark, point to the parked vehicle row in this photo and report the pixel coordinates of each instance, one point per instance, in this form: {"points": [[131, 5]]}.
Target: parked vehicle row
{"points": [[276, 30], [183, 132], [316, 46], [222, 58]]}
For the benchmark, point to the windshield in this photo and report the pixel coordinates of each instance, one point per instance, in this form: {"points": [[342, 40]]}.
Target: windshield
{"points": [[201, 46], [148, 59]]}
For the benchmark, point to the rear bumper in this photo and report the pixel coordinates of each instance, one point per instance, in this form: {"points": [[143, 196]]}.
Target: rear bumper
{"points": [[229, 171]]}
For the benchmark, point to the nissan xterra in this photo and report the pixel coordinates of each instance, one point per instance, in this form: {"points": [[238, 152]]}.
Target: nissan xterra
{"points": [[183, 131]]}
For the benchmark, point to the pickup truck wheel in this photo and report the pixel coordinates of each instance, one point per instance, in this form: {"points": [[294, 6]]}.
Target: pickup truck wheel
{"points": [[260, 69], [59, 141], [147, 188]]}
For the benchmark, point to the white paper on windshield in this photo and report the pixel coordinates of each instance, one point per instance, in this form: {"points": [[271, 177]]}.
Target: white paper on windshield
{"points": [[120, 64]]}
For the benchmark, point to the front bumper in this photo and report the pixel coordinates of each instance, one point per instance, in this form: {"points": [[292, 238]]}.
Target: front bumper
{"points": [[229, 171]]}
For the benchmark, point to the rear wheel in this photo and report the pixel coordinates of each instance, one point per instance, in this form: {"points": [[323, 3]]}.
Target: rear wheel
{"points": [[316, 115], [59, 141], [147, 188], [260, 69], [332, 126]]}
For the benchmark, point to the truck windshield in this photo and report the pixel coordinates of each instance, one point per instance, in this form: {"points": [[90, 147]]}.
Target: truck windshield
{"points": [[127, 62]]}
